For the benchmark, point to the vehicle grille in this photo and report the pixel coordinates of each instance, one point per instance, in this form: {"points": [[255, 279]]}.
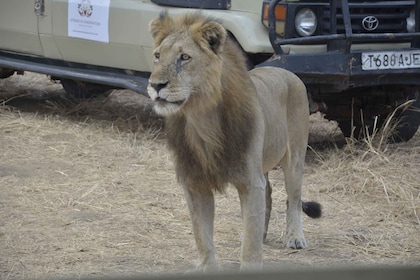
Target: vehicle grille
{"points": [[391, 18]]}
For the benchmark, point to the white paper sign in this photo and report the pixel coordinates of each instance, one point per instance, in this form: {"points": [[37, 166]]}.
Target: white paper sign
{"points": [[88, 19]]}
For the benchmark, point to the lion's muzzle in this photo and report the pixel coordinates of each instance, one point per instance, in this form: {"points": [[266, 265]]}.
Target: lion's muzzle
{"points": [[158, 86], [165, 101], [153, 90]]}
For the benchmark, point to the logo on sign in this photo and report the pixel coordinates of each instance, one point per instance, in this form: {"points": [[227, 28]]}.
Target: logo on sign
{"points": [[370, 23], [85, 8]]}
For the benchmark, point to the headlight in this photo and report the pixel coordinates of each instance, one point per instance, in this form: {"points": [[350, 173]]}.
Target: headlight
{"points": [[411, 22], [305, 22]]}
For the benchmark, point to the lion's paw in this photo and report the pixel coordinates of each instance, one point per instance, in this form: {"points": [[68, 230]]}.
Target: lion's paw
{"points": [[209, 267], [295, 243]]}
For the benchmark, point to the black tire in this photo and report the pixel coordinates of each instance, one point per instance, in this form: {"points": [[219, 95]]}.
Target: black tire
{"points": [[356, 129], [81, 89], [409, 122], [6, 72]]}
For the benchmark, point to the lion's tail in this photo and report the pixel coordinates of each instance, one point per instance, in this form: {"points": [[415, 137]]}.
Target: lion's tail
{"points": [[312, 208]]}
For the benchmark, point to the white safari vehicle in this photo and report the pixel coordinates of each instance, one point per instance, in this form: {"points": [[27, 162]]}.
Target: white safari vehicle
{"points": [[353, 55]]}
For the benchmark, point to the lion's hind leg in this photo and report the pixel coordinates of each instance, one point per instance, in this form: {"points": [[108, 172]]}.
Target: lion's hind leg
{"points": [[293, 173], [268, 202]]}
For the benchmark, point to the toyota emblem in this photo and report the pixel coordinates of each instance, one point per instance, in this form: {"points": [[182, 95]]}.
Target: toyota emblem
{"points": [[370, 23]]}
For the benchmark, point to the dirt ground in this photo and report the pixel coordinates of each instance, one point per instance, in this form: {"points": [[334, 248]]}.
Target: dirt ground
{"points": [[88, 189]]}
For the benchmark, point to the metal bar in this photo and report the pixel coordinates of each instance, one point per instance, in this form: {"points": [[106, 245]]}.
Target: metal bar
{"points": [[346, 18], [416, 41], [272, 27], [353, 37], [343, 45], [333, 16], [118, 80], [417, 14], [347, 25]]}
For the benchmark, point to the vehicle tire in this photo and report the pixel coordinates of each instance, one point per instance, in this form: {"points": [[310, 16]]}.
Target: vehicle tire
{"points": [[6, 72], [409, 122], [354, 129], [81, 89]]}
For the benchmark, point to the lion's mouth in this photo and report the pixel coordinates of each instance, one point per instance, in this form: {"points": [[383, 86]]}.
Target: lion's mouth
{"points": [[163, 101]]}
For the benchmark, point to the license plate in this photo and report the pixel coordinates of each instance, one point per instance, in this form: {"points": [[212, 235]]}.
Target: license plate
{"points": [[390, 60]]}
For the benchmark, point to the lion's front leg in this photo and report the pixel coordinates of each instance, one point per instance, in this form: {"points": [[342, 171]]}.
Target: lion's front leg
{"points": [[252, 199], [201, 206]]}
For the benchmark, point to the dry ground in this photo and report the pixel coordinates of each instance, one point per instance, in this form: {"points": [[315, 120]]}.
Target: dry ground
{"points": [[88, 189]]}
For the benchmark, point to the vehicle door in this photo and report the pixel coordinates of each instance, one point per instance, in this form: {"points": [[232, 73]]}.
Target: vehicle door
{"points": [[19, 27], [104, 32]]}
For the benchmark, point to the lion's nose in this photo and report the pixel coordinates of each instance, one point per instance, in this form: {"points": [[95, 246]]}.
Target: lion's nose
{"points": [[158, 86]]}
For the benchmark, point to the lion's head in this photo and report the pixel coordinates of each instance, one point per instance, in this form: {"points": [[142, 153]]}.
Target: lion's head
{"points": [[187, 62]]}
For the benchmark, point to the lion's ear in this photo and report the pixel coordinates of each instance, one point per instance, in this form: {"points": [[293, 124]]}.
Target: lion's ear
{"points": [[160, 27], [214, 34]]}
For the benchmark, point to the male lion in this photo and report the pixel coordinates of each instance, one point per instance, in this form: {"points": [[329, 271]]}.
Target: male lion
{"points": [[227, 125]]}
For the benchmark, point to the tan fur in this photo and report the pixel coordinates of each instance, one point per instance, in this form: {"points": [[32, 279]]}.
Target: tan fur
{"points": [[228, 125]]}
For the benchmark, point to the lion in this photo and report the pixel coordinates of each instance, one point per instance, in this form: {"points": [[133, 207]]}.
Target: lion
{"points": [[226, 125]]}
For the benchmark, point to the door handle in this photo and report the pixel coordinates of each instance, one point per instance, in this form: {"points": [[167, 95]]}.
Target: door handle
{"points": [[39, 7]]}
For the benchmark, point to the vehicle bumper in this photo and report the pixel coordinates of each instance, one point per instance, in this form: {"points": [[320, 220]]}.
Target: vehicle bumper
{"points": [[337, 71]]}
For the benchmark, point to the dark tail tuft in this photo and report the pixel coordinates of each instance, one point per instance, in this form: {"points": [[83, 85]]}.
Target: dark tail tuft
{"points": [[312, 209]]}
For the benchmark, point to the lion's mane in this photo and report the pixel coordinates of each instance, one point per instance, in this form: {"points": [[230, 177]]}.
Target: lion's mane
{"points": [[223, 114]]}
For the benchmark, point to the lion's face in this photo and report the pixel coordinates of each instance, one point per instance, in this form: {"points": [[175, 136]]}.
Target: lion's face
{"points": [[186, 64], [176, 63]]}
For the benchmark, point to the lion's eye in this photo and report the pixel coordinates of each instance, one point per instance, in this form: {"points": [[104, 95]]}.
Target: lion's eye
{"points": [[185, 57], [156, 56]]}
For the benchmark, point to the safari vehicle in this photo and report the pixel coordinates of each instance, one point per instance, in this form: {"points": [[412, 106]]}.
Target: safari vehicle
{"points": [[359, 59]]}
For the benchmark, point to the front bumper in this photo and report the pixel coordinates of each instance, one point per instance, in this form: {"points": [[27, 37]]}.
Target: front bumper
{"points": [[334, 72]]}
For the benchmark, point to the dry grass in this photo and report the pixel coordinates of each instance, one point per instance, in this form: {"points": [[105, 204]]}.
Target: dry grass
{"points": [[379, 165], [380, 182], [88, 189]]}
